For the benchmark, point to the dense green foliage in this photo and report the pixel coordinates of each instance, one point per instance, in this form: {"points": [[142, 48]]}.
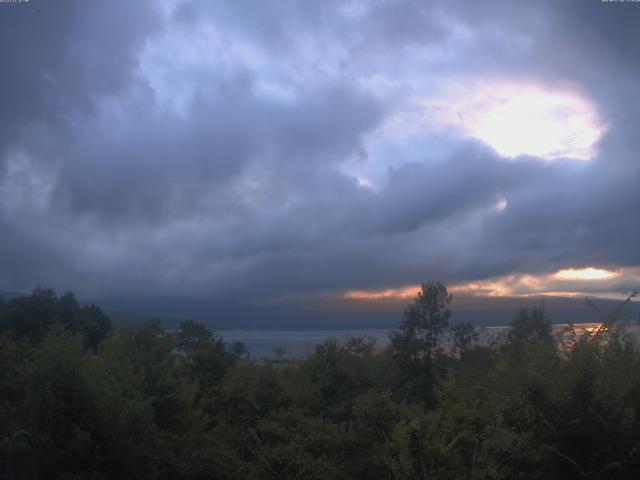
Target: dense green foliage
{"points": [[32, 317], [148, 403]]}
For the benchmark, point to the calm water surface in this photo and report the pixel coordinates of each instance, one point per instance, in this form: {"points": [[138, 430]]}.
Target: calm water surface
{"points": [[298, 343]]}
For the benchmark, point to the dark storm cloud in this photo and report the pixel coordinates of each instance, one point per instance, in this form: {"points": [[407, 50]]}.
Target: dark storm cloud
{"points": [[420, 193], [59, 57], [160, 165], [198, 149]]}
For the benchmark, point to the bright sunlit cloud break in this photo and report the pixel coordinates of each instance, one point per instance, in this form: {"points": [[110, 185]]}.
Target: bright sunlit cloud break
{"points": [[522, 119], [392, 293], [563, 283], [589, 273]]}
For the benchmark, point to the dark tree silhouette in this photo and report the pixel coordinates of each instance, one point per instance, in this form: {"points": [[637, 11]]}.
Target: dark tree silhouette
{"points": [[529, 326], [425, 321], [464, 337]]}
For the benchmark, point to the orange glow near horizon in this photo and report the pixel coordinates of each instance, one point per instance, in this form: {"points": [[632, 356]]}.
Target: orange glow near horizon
{"points": [[484, 288], [565, 282], [391, 293], [587, 274]]}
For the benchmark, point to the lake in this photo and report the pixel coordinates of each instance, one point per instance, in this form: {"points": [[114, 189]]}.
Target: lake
{"points": [[298, 343]]}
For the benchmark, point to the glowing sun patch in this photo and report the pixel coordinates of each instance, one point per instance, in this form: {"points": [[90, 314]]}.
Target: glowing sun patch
{"points": [[539, 123], [521, 119], [589, 273]]}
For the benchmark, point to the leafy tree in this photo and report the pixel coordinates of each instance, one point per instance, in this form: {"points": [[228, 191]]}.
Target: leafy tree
{"points": [[147, 335], [92, 324], [464, 337], [415, 341], [150, 404], [336, 377], [206, 354], [362, 346], [193, 336], [527, 327], [33, 316], [239, 349], [279, 351]]}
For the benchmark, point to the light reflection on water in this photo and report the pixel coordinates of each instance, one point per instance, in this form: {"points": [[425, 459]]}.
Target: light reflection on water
{"points": [[298, 343]]}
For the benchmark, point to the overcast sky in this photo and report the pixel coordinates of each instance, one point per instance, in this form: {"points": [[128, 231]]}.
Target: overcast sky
{"points": [[260, 150]]}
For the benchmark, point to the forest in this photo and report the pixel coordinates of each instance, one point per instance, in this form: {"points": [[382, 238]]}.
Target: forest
{"points": [[146, 403]]}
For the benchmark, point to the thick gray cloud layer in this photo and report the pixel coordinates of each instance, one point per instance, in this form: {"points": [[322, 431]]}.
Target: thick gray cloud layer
{"points": [[209, 149]]}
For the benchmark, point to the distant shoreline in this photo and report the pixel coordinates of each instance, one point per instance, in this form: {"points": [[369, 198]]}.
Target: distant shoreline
{"points": [[298, 343]]}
